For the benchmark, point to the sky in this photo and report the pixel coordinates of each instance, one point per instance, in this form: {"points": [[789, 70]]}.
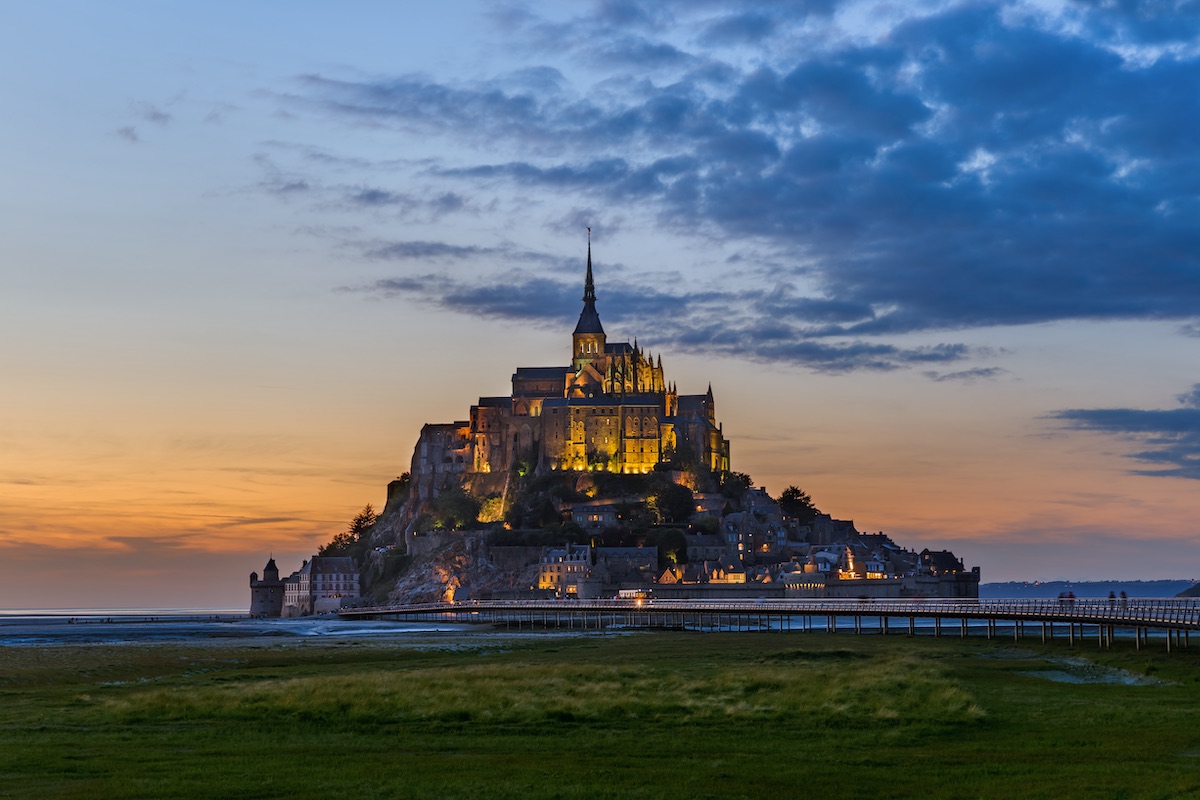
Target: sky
{"points": [[938, 260]]}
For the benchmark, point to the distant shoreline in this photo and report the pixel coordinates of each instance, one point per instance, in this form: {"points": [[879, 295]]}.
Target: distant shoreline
{"points": [[123, 612], [1018, 590]]}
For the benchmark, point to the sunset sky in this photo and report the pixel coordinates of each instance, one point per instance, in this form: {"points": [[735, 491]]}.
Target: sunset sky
{"points": [[940, 262]]}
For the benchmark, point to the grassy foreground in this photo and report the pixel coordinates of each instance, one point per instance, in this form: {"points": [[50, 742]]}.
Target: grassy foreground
{"points": [[641, 716]]}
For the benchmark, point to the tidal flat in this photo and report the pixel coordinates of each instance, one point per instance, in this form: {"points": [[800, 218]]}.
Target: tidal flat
{"points": [[636, 715]]}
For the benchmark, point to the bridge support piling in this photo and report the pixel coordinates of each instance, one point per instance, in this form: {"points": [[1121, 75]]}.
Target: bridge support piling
{"points": [[1174, 619]]}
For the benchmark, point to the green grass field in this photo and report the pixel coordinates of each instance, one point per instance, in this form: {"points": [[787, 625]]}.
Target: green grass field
{"points": [[636, 716]]}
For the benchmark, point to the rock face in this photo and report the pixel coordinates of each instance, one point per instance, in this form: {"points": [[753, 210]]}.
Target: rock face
{"points": [[452, 564]]}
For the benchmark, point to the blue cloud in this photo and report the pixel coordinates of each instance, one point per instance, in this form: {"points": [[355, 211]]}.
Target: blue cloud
{"points": [[369, 196], [974, 166], [424, 251], [1171, 437], [965, 375], [1143, 21], [748, 325], [741, 28]]}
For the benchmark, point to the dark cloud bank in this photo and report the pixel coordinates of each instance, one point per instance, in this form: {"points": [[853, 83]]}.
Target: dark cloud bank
{"points": [[1171, 437], [979, 165]]}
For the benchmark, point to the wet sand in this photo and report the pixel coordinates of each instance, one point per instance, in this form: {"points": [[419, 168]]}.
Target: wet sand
{"points": [[76, 629]]}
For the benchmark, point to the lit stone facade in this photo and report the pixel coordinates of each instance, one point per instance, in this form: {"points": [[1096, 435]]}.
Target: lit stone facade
{"points": [[321, 585], [611, 409], [561, 569]]}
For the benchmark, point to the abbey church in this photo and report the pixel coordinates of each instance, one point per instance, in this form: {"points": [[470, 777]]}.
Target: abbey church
{"points": [[610, 409]]}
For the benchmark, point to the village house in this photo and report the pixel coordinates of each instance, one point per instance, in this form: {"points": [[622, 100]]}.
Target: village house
{"points": [[562, 568], [595, 514]]}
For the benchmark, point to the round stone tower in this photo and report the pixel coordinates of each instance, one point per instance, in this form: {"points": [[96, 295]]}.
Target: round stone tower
{"points": [[266, 595]]}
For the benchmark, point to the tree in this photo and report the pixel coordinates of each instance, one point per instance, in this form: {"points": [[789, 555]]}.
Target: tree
{"points": [[492, 509], [673, 503], [454, 509], [363, 521], [352, 541], [671, 544], [796, 503], [735, 484]]}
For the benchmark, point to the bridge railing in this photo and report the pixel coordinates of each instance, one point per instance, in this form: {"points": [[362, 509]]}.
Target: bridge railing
{"points": [[1166, 612]]}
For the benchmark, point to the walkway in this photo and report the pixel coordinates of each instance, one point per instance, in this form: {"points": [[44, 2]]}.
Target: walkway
{"points": [[1174, 619]]}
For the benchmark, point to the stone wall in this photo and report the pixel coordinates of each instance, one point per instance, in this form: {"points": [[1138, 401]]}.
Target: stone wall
{"points": [[514, 559], [717, 591], [422, 544]]}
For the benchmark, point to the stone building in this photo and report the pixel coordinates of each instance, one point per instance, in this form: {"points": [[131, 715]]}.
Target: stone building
{"points": [[266, 595], [562, 568], [612, 408], [322, 584]]}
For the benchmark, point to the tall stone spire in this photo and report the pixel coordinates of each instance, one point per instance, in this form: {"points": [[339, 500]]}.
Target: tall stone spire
{"points": [[589, 287], [588, 340], [589, 320]]}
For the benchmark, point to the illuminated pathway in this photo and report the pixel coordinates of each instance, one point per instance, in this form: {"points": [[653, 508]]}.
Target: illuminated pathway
{"points": [[1173, 619]]}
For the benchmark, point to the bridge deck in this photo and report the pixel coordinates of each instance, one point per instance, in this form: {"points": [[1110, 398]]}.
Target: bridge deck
{"points": [[1166, 614]]}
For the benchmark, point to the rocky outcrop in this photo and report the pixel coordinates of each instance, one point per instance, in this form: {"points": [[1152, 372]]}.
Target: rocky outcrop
{"points": [[456, 563]]}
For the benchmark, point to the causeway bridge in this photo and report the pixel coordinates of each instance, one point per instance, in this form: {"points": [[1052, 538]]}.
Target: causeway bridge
{"points": [[1172, 620]]}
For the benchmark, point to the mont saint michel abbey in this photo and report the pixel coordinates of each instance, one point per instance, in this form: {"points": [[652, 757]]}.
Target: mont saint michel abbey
{"points": [[611, 409]]}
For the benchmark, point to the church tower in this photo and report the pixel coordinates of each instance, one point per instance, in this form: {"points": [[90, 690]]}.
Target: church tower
{"points": [[587, 343]]}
